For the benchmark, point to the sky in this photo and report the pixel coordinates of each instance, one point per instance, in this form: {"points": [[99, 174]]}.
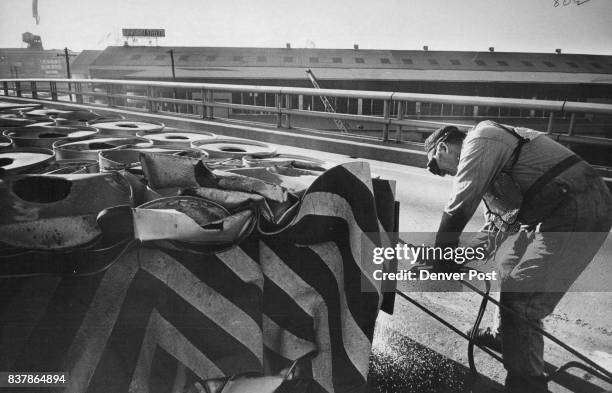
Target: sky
{"points": [[575, 26]]}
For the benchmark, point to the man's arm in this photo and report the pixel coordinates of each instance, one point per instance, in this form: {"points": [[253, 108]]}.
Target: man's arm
{"points": [[481, 160]]}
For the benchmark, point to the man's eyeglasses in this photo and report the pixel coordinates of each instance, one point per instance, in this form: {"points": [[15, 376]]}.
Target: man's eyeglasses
{"points": [[432, 166]]}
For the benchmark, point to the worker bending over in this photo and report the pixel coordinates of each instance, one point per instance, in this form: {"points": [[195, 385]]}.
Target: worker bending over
{"points": [[554, 212]]}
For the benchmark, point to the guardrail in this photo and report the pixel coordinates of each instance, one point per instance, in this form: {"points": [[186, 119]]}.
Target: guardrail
{"points": [[394, 109]]}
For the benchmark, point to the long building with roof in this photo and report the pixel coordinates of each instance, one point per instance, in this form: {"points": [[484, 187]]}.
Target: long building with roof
{"points": [[501, 74]]}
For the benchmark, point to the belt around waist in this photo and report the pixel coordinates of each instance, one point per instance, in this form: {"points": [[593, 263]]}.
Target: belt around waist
{"points": [[549, 175]]}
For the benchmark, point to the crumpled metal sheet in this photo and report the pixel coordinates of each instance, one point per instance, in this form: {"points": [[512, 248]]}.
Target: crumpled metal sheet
{"points": [[57, 211]]}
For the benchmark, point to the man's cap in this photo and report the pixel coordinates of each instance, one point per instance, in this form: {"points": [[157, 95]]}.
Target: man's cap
{"points": [[438, 134]]}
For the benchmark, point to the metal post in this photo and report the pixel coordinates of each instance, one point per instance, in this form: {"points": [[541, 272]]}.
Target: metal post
{"points": [[210, 111], [68, 74], [360, 106], [400, 116], [417, 109], [53, 88], [475, 113], [150, 104], [109, 94], [570, 131], [78, 95], [171, 51], [385, 136], [203, 98], [288, 106], [18, 88], [5, 88], [279, 118], [33, 90], [551, 117]]}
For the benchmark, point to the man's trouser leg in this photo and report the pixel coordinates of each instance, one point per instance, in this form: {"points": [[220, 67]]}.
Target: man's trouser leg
{"points": [[544, 266]]}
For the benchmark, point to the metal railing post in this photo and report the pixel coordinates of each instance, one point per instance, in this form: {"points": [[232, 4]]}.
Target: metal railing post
{"points": [[210, 110], [151, 105], [53, 89], [78, 92], [109, 95], [5, 88], [18, 88], [385, 136], [203, 98], [400, 116], [279, 115], [572, 123], [33, 90], [551, 117], [417, 109], [288, 106]]}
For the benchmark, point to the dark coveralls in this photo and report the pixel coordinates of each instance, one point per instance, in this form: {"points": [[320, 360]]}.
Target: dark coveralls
{"points": [[560, 198]]}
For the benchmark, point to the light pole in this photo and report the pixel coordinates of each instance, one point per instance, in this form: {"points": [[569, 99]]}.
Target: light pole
{"points": [[171, 51], [68, 75]]}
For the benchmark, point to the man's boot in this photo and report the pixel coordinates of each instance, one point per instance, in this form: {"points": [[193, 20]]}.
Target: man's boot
{"points": [[488, 338], [518, 383]]}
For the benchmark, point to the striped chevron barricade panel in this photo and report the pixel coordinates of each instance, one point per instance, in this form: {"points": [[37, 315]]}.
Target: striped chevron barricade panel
{"points": [[161, 319]]}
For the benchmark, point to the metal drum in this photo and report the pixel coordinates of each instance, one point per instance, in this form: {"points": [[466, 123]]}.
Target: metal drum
{"points": [[80, 116], [24, 160], [177, 138], [130, 158], [125, 127], [53, 212], [5, 142], [12, 120], [46, 136], [89, 149], [202, 211], [291, 160], [10, 107], [64, 167], [42, 114], [234, 148]]}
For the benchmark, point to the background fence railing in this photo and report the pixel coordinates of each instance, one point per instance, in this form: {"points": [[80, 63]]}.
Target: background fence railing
{"points": [[384, 112]]}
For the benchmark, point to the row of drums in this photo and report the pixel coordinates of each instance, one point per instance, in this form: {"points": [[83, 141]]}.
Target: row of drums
{"points": [[60, 141]]}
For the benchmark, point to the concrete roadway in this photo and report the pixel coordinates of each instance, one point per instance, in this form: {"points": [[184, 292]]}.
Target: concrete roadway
{"points": [[413, 352]]}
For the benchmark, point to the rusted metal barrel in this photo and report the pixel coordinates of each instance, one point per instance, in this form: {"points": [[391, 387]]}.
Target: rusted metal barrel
{"points": [[81, 116], [234, 148], [64, 167], [176, 137], [44, 112], [110, 160], [295, 161], [126, 127], [46, 136], [5, 142], [24, 160], [13, 120], [89, 149], [53, 212]]}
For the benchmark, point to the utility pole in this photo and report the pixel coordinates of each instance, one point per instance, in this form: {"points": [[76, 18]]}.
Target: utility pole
{"points": [[68, 75], [171, 51]]}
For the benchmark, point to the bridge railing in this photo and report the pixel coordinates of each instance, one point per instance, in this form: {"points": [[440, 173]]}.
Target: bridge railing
{"points": [[389, 111]]}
